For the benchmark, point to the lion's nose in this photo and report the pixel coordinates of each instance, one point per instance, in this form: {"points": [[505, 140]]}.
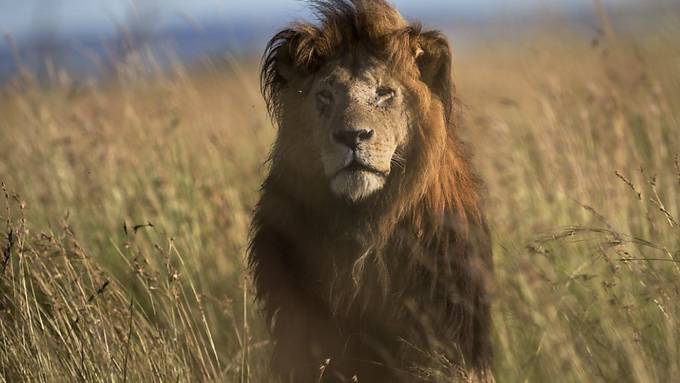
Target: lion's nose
{"points": [[352, 138]]}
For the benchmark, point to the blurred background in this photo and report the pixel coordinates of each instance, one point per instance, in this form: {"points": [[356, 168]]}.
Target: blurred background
{"points": [[84, 37], [133, 139]]}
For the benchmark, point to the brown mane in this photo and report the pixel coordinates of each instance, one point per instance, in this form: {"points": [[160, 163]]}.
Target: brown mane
{"points": [[422, 237]]}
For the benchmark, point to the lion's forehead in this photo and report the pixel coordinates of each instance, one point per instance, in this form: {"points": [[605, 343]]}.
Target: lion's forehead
{"points": [[368, 71]]}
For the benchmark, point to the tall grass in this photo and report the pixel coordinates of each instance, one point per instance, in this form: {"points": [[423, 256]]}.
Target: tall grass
{"points": [[127, 208], [65, 319], [582, 174]]}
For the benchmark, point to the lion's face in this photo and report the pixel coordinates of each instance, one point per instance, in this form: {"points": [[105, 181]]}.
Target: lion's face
{"points": [[360, 125]]}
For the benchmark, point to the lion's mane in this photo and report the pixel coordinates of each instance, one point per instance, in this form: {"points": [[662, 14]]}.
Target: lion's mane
{"points": [[380, 285]]}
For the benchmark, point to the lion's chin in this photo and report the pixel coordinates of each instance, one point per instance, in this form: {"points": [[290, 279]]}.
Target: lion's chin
{"points": [[356, 185]]}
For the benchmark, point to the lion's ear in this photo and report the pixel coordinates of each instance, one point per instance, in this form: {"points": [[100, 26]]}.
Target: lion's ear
{"points": [[289, 56], [434, 62], [279, 57], [285, 65], [292, 52]]}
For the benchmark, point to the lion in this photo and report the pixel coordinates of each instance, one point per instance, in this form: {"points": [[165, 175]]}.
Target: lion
{"points": [[369, 251]]}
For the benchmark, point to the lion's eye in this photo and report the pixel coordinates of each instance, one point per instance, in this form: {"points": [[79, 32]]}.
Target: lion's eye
{"points": [[325, 98], [384, 96]]}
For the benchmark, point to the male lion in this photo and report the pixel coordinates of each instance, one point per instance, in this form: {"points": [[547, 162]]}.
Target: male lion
{"points": [[368, 249]]}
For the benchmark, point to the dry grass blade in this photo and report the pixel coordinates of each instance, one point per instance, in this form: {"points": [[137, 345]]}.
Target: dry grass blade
{"points": [[677, 166], [7, 251], [127, 341], [656, 200], [629, 183]]}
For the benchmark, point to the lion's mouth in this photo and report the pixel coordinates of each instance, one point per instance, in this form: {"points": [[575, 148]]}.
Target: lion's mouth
{"points": [[356, 166], [357, 180]]}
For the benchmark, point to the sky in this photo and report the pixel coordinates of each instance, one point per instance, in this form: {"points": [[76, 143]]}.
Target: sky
{"points": [[22, 18]]}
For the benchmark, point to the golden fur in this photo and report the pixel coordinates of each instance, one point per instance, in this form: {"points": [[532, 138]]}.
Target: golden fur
{"points": [[380, 286]]}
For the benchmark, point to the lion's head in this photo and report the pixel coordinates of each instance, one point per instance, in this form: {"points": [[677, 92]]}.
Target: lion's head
{"points": [[351, 95]]}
